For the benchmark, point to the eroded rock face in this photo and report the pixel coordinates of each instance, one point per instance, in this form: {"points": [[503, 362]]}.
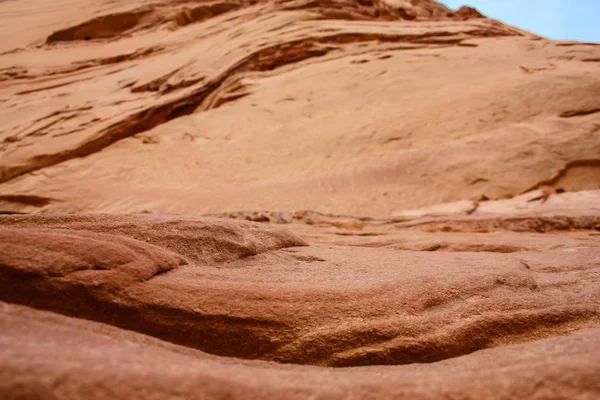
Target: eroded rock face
{"points": [[362, 108], [347, 303], [451, 163], [67, 358]]}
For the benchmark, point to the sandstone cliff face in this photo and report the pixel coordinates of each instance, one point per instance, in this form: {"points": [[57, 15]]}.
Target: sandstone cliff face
{"points": [[156, 158], [362, 108]]}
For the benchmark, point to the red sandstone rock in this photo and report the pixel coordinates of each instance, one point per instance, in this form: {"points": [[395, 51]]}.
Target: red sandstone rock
{"points": [[48, 356], [462, 154]]}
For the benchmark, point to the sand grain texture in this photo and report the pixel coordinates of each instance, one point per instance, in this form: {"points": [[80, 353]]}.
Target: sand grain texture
{"points": [[326, 199]]}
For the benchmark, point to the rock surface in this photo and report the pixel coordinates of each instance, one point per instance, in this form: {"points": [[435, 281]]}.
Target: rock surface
{"points": [[68, 358], [365, 293], [451, 163], [348, 107]]}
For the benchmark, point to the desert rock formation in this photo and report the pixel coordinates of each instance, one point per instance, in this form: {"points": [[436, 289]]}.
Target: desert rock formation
{"points": [[241, 199], [340, 107]]}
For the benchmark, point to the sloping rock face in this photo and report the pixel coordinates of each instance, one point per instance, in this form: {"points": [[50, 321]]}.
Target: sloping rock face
{"points": [[156, 158], [362, 108]]}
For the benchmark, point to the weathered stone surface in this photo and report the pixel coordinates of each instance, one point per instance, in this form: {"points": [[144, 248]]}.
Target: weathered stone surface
{"points": [[393, 186]]}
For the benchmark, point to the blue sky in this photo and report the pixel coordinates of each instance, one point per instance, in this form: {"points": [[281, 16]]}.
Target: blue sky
{"points": [[554, 19]]}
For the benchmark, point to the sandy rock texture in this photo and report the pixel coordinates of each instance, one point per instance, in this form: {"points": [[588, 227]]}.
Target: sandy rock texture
{"points": [[331, 199], [437, 301], [362, 108], [70, 358]]}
